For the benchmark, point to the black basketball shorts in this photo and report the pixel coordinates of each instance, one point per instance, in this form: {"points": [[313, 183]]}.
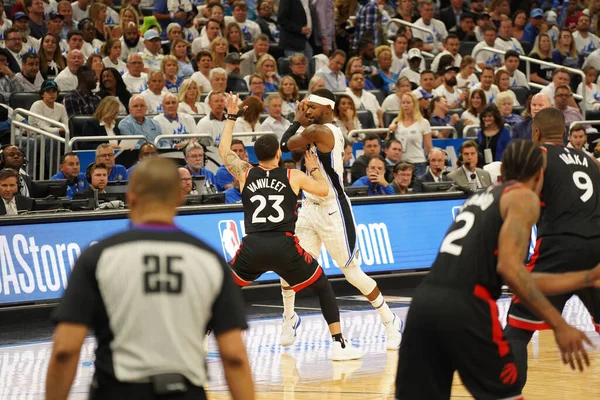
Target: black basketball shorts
{"points": [[450, 330], [558, 254], [279, 252]]}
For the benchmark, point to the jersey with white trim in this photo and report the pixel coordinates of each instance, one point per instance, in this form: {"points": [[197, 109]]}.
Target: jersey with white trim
{"points": [[332, 167], [148, 294], [269, 201], [570, 200], [468, 254]]}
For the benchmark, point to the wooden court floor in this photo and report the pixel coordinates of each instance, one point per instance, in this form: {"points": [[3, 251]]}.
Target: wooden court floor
{"points": [[304, 371]]}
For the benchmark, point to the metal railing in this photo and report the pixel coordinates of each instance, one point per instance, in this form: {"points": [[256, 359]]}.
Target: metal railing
{"points": [[355, 132], [413, 26], [467, 128], [446, 128], [250, 134], [592, 122], [105, 139], [185, 135], [37, 137], [529, 60]]}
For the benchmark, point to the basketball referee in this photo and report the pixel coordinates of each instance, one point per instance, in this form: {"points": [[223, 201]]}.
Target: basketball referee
{"points": [[148, 295]]}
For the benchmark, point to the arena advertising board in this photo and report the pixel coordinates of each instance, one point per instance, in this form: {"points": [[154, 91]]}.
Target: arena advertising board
{"points": [[36, 259]]}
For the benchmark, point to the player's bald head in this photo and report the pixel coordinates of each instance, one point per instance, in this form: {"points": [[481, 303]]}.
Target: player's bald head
{"points": [[155, 181], [548, 124]]}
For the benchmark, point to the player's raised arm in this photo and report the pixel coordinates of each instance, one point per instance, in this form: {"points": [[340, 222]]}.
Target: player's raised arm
{"points": [[316, 185], [236, 166], [521, 209]]}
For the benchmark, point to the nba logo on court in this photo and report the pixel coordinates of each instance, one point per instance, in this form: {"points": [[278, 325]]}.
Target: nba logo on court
{"points": [[230, 238]]}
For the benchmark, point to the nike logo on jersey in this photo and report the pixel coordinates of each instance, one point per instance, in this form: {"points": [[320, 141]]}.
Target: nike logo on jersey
{"points": [[331, 213]]}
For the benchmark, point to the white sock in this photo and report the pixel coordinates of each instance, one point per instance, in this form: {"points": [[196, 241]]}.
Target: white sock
{"points": [[289, 296], [382, 308]]}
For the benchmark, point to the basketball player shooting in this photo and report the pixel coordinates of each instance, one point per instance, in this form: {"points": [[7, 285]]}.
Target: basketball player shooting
{"points": [[269, 198], [327, 218]]}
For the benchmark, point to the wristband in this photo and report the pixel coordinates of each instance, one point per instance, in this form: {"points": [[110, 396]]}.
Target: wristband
{"points": [[232, 117], [172, 15], [314, 169]]}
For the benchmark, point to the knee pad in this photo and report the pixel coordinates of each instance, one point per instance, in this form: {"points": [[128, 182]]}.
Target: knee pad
{"points": [[364, 283]]}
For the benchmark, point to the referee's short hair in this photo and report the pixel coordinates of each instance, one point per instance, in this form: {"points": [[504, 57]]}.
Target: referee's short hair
{"points": [[265, 147], [156, 180]]}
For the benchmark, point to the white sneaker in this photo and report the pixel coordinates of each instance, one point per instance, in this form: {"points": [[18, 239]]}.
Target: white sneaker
{"points": [[339, 353], [288, 331], [393, 332]]}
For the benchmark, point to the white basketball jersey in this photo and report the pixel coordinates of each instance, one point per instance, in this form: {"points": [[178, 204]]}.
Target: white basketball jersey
{"points": [[332, 166]]}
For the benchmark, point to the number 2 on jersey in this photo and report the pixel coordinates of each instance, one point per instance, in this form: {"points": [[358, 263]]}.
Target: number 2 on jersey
{"points": [[276, 199], [448, 245], [583, 182]]}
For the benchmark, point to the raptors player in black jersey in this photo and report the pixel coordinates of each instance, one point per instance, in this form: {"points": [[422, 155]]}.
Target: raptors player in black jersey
{"points": [[568, 229], [269, 197], [452, 324]]}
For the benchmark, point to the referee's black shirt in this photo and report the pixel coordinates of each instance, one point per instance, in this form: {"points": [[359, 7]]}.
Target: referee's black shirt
{"points": [[148, 294]]}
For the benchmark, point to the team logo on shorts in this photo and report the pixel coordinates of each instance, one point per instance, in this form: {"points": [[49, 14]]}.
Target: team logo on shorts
{"points": [[230, 238], [509, 374]]}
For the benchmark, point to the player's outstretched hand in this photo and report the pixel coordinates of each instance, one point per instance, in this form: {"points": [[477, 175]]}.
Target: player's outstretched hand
{"points": [[570, 343], [310, 160], [231, 103]]}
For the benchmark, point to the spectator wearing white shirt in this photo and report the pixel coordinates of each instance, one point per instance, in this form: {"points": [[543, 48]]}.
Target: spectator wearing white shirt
{"points": [[427, 21], [475, 105], [67, 79], [214, 122], [81, 9], [210, 32], [135, 80], [250, 29], [250, 119], [189, 99], [202, 76], [74, 41], [131, 42], [29, 79], [91, 45], [275, 122], [392, 102], [413, 131], [451, 45], [466, 78], [511, 65], [364, 100], [332, 74], [49, 108], [505, 41], [502, 81], [413, 72], [112, 52], [151, 54], [592, 89], [173, 122], [487, 58], [156, 92], [399, 56], [218, 81], [448, 90], [487, 84], [578, 139], [560, 77], [585, 41]]}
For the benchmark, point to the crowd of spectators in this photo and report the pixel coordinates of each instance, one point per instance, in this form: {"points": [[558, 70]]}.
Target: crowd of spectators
{"points": [[164, 68]]}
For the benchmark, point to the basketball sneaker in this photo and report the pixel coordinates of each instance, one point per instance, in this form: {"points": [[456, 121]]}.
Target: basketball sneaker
{"points": [[288, 331], [344, 351], [393, 333]]}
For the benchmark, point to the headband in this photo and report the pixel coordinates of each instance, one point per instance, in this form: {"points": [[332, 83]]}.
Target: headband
{"points": [[324, 101]]}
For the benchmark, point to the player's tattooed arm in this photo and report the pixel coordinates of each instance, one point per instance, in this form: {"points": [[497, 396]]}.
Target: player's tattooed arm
{"points": [[236, 166]]}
